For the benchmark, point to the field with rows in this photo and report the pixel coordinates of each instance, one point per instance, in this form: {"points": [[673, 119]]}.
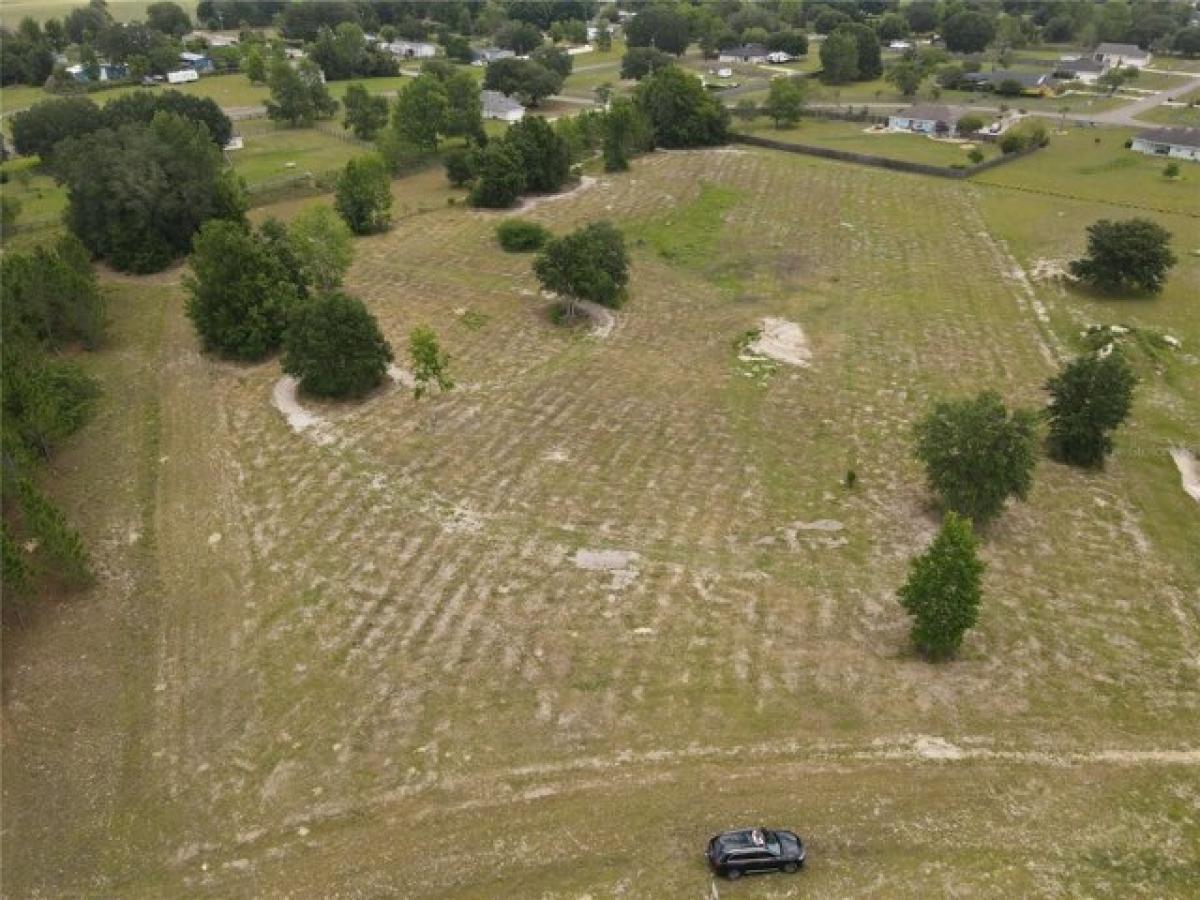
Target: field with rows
{"points": [[544, 634]]}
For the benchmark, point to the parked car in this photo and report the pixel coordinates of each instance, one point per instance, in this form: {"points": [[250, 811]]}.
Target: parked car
{"points": [[752, 851]]}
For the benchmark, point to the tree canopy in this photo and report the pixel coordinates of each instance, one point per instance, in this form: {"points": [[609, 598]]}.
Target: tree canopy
{"points": [[364, 194], [1090, 397], [944, 589], [137, 193], [785, 100], [298, 95], [681, 112], [523, 78], [545, 157], [977, 455], [334, 347], [365, 113], [665, 28], [1134, 254], [588, 264], [968, 32], [323, 247]]}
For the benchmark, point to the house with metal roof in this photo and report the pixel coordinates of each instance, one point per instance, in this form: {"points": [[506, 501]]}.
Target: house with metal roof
{"points": [[1176, 143], [1129, 55], [926, 118], [501, 106]]}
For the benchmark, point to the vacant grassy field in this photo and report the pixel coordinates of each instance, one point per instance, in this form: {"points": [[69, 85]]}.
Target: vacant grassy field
{"points": [[857, 137], [274, 151], [387, 665], [1093, 164], [13, 11]]}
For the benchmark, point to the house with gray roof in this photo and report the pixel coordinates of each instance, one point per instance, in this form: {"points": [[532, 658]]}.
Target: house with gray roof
{"points": [[1176, 143], [1082, 69], [747, 53], [501, 106], [926, 118], [1129, 55]]}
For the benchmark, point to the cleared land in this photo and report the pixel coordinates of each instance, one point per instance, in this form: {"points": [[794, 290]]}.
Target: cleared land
{"points": [[391, 665], [857, 137]]}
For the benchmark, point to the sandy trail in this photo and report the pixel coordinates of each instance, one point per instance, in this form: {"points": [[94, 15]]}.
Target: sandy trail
{"points": [[530, 203], [603, 321], [299, 419]]}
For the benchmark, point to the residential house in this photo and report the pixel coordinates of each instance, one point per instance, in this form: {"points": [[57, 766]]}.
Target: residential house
{"points": [[490, 55], [593, 31], [1008, 81], [925, 118], [197, 61], [1177, 143], [501, 106], [747, 53], [900, 45], [1087, 71], [778, 57], [411, 49], [1128, 55], [213, 38]]}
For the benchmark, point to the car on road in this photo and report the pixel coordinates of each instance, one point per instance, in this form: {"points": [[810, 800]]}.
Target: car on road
{"points": [[751, 851]]}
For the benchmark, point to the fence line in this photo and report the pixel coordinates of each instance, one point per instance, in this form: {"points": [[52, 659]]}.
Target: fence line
{"points": [[882, 162]]}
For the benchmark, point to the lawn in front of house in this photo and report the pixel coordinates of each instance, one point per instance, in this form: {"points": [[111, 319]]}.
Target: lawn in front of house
{"points": [[857, 137]]}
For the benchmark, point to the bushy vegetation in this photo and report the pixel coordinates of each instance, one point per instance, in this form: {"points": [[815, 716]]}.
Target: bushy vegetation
{"points": [[363, 196], [1133, 254], [48, 299], [520, 235], [943, 590], [1090, 397], [977, 454], [298, 95], [679, 110], [137, 193], [588, 264], [334, 347]]}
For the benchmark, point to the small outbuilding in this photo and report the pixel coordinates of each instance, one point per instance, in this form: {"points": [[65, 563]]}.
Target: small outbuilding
{"points": [[926, 118], [501, 106], [197, 61], [1177, 143], [411, 49], [489, 55]]}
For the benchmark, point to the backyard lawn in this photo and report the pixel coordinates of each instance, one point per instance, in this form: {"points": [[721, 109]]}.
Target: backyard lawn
{"points": [[856, 137], [274, 151]]}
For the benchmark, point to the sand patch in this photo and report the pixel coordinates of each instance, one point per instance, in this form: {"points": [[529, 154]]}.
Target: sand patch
{"points": [[1189, 471], [1051, 270], [780, 340], [400, 376], [621, 564], [585, 182], [299, 419], [603, 321]]}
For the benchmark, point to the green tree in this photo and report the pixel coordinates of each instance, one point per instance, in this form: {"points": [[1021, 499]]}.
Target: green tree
{"points": [[638, 62], [906, 75], [892, 27], [1090, 397], [944, 589], [365, 113], [519, 37], [363, 195], [681, 112], [523, 78], [10, 211], [590, 264], [256, 66], [459, 171], [977, 455], [334, 347], [556, 59], [138, 193], [970, 123], [298, 95], [839, 58], [520, 235], [870, 60], [968, 32], [785, 101], [500, 176], [627, 132], [545, 156], [323, 246], [419, 114], [52, 296], [746, 110], [431, 365], [239, 293], [1134, 254], [664, 27], [37, 130], [464, 109], [169, 18]]}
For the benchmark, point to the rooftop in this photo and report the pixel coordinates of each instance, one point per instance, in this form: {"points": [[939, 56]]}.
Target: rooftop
{"points": [[932, 112], [496, 102], [1121, 50], [1180, 137]]}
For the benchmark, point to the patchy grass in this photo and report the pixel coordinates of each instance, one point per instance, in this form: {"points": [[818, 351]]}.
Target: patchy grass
{"points": [[298, 657], [856, 137], [272, 151]]}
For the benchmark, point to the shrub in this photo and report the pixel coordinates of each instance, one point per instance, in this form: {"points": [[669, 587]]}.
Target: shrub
{"points": [[1132, 254], [1171, 170], [1012, 143], [333, 345], [1089, 399], [975, 156], [970, 123], [519, 235], [587, 264], [459, 171], [364, 194], [943, 590]]}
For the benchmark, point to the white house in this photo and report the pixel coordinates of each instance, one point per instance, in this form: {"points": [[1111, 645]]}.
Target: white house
{"points": [[501, 106], [778, 57], [183, 75], [593, 31], [925, 118], [1130, 55], [900, 45], [411, 49], [490, 55], [747, 53], [1177, 143]]}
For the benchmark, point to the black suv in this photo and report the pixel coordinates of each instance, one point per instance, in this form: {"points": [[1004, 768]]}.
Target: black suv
{"points": [[754, 850]]}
